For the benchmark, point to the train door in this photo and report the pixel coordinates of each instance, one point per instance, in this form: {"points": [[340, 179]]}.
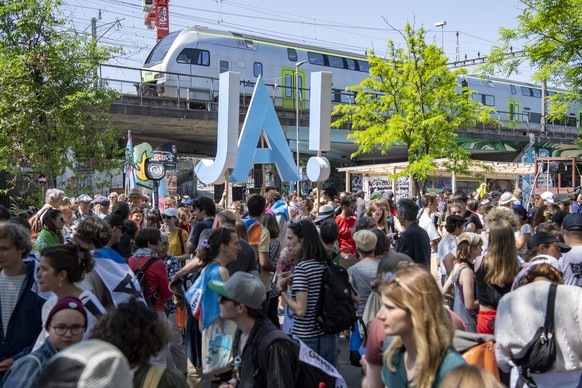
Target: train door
{"points": [[288, 88], [514, 115]]}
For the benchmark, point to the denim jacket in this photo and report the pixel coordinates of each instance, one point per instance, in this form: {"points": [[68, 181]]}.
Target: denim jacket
{"points": [[25, 322], [25, 371]]}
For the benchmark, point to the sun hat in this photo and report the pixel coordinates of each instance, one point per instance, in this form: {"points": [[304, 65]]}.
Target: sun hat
{"points": [[506, 198], [88, 364], [243, 288], [325, 211], [365, 240]]}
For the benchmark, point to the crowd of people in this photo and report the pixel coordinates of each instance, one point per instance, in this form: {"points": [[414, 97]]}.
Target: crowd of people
{"points": [[149, 289]]}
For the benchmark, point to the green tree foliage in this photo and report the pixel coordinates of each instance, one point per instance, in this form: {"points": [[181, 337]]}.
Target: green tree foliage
{"points": [[53, 112], [412, 99], [550, 34]]}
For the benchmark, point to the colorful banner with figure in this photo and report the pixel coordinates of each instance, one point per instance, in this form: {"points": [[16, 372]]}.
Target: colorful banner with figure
{"points": [[141, 153], [128, 168]]}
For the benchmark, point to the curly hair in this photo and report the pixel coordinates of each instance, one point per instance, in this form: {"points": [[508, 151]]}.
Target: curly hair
{"points": [[93, 233], [72, 258], [134, 329], [211, 248]]}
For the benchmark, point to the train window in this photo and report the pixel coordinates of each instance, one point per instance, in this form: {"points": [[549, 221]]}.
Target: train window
{"points": [[288, 88], [571, 121], [351, 64], [489, 100], [335, 61], [477, 97], [513, 89], [159, 52], [194, 57], [526, 91], [223, 65], [364, 66], [257, 69], [292, 54], [316, 58], [536, 93], [550, 93]]}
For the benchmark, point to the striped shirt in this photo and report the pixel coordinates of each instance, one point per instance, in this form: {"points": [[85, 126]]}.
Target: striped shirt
{"points": [[9, 289], [308, 276]]}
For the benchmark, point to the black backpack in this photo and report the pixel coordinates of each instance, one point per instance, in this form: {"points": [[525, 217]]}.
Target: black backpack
{"points": [[336, 311], [311, 372], [143, 284]]}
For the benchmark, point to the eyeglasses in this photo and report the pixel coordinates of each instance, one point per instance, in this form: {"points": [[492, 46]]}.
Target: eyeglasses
{"points": [[392, 278], [61, 330]]}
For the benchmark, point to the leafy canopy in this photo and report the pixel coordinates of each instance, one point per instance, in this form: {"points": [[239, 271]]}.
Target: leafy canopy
{"points": [[411, 98], [53, 112], [550, 34]]}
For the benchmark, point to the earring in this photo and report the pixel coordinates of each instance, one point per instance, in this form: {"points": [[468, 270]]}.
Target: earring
{"points": [[60, 283]]}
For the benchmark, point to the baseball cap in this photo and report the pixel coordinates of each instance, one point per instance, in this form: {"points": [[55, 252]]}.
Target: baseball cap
{"points": [[496, 193], [360, 192], [114, 220], [67, 302], [573, 222], [324, 212], [547, 196], [243, 288], [561, 198], [506, 197], [88, 364], [546, 238], [365, 240], [171, 212], [84, 198], [101, 200], [121, 208]]}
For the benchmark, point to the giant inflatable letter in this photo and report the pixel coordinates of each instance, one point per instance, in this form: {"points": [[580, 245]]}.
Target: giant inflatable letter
{"points": [[207, 170], [318, 167], [261, 115]]}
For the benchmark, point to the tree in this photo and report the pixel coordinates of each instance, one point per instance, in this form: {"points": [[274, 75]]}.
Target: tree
{"points": [[412, 99], [550, 34], [53, 111]]}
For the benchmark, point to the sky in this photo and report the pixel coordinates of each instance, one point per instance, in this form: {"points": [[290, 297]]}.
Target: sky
{"points": [[356, 27]]}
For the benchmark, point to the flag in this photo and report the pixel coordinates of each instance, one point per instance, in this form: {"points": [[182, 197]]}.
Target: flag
{"points": [[128, 168]]}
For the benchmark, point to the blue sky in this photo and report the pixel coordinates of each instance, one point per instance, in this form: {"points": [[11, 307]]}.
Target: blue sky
{"points": [[351, 26]]}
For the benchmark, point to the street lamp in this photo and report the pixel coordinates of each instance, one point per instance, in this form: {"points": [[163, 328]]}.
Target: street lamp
{"points": [[297, 65], [442, 25]]}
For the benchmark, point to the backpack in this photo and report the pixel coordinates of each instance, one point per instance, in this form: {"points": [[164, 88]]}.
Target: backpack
{"points": [[336, 311], [143, 284], [313, 370], [36, 224]]}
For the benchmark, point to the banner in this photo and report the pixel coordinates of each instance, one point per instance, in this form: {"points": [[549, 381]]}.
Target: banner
{"points": [[128, 168]]}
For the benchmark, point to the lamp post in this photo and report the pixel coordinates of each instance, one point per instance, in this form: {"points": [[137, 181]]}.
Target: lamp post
{"points": [[442, 25], [297, 65]]}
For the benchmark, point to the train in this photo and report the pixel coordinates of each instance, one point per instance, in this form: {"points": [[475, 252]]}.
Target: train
{"points": [[186, 64]]}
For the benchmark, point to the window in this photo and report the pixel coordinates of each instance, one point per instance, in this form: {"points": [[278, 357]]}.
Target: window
{"points": [[513, 89], [224, 65], [525, 91], [536, 93], [292, 54], [530, 92], [351, 64], [488, 100], [316, 59], [335, 61], [257, 69], [159, 52], [289, 85], [364, 66], [192, 56]]}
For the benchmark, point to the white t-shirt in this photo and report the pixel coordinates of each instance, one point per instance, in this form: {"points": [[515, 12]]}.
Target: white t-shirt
{"points": [[525, 228], [571, 266], [447, 245]]}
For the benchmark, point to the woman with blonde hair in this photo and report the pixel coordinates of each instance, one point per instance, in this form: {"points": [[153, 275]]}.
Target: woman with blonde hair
{"points": [[462, 279], [470, 376], [418, 349], [496, 273]]}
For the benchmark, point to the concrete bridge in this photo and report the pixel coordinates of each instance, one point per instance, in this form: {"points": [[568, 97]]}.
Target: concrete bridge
{"points": [[191, 123]]}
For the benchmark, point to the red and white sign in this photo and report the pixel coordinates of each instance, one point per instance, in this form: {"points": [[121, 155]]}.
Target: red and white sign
{"points": [[41, 179]]}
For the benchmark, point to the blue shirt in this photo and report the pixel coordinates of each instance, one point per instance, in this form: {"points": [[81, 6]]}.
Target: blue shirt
{"points": [[25, 371]]}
